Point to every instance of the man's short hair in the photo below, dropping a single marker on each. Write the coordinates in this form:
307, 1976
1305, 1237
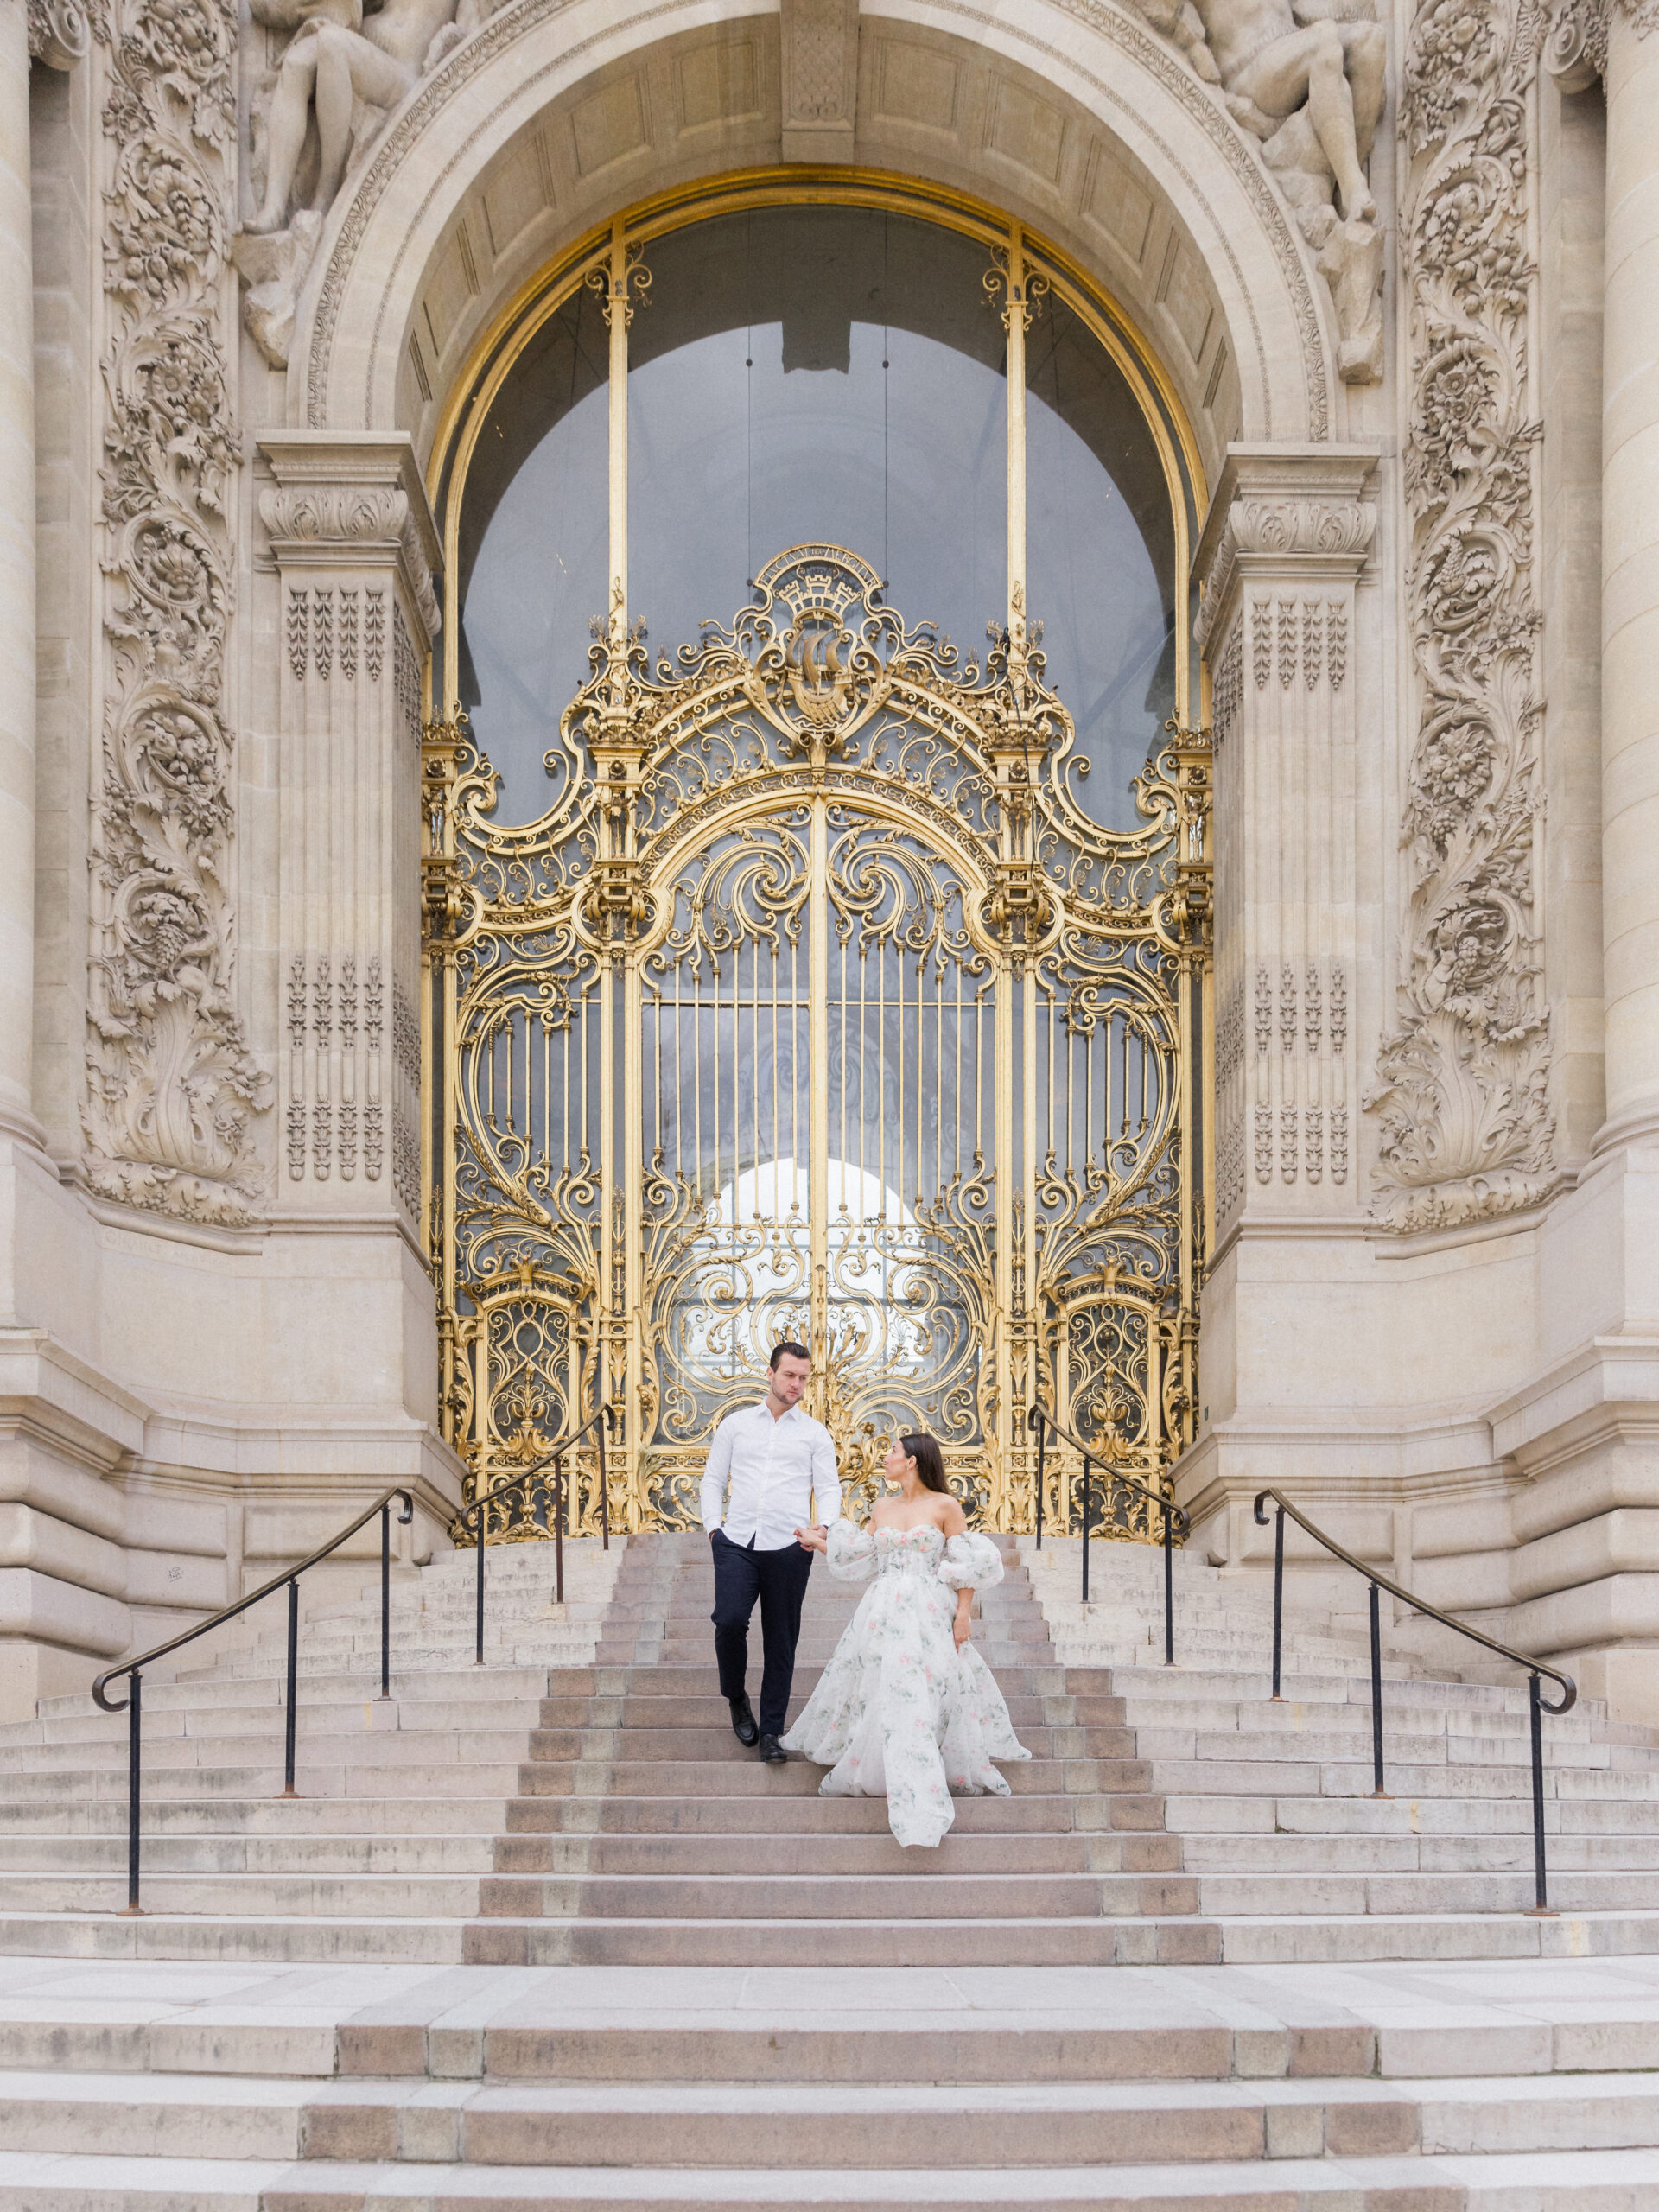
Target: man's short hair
787, 1351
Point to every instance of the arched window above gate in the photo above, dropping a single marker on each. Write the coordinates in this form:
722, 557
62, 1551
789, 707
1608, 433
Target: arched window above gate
831, 960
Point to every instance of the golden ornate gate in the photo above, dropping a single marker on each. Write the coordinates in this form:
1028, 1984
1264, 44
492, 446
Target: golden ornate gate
814, 1007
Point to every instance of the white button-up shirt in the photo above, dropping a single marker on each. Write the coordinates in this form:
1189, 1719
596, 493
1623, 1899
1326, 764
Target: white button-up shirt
776, 1470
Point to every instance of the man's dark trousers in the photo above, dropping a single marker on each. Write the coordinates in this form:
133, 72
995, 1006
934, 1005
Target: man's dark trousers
779, 1579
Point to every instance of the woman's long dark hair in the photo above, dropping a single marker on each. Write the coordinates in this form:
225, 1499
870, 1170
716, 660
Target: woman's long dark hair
930, 1460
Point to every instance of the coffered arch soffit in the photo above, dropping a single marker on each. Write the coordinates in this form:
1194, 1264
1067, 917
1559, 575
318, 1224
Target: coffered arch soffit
1067, 114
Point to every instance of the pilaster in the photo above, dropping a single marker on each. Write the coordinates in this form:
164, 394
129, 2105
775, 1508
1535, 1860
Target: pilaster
1287, 537
355, 549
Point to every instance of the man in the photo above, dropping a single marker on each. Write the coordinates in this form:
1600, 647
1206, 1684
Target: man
766, 1467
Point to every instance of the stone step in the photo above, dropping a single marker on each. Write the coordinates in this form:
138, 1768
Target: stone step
833, 2127
1254, 1941
1448, 1778
743, 1775
1457, 1854
754, 1895
174, 1854
1605, 2181
718, 1943
269, 1815
774, 1813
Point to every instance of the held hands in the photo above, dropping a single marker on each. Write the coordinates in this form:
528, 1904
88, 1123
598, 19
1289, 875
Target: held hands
815, 1539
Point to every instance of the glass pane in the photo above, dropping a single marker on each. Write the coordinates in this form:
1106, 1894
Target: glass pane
1101, 559
533, 550
813, 374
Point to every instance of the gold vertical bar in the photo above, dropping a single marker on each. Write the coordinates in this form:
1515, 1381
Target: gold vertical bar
617, 318
630, 1324
818, 1063
1016, 423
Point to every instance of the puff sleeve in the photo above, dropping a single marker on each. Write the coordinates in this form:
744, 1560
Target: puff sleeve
850, 1553
970, 1563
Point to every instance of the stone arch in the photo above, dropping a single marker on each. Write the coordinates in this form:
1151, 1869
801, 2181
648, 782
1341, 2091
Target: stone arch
1073, 117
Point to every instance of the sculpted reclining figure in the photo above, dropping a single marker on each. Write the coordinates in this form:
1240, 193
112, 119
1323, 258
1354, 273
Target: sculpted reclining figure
1308, 78
1275, 56
337, 58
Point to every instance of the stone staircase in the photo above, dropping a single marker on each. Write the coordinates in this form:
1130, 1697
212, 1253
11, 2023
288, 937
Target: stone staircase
542, 1932
1274, 1802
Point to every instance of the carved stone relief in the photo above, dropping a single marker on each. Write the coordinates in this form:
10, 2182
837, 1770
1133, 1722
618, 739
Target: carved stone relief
1462, 1097
1307, 77
819, 55
172, 1088
332, 78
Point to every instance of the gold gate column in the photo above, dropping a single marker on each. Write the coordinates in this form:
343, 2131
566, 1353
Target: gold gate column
618, 743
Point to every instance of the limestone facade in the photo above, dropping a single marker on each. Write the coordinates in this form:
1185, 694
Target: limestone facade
1430, 574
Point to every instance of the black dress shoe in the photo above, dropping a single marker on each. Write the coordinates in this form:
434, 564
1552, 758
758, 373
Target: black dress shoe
744, 1727
773, 1751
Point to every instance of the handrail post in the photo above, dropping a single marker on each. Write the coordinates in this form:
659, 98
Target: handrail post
1086, 1503
604, 1486
1278, 1596
477, 1546
135, 1731
1169, 1590
1376, 1696
558, 1529
292, 1715
1042, 1432
1540, 1910
385, 1599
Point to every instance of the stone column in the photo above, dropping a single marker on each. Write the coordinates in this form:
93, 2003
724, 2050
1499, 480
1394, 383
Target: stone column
1287, 537
16, 579
1630, 696
355, 549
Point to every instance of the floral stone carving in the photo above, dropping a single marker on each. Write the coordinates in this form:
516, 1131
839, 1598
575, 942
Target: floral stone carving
1307, 78
1461, 1099
172, 1088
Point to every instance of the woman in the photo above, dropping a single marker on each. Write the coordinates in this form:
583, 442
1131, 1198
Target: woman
906, 1708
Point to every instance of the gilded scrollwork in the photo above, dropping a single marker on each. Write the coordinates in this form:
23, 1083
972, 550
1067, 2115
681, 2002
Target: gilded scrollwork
1465, 1127
780, 891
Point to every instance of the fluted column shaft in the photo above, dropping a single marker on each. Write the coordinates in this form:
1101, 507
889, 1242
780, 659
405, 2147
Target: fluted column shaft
1630, 693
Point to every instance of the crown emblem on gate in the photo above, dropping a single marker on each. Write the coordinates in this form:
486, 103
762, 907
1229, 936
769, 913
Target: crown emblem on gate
817, 583
829, 596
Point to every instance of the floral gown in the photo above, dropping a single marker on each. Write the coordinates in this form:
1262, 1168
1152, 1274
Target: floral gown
899, 1711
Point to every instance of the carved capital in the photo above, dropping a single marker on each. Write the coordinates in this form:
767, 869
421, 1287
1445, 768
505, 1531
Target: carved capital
1288, 513
820, 79
351, 502
60, 33
1575, 42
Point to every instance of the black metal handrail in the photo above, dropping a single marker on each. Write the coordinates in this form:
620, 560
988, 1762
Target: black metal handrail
474, 1513
133, 1703
1537, 1703
1043, 1421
